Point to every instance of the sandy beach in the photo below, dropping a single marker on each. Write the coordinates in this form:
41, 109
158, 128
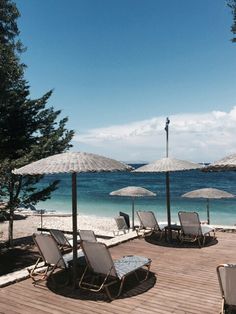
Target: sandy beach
100, 225
26, 227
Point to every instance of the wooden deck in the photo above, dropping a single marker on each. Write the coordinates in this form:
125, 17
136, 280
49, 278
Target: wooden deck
185, 281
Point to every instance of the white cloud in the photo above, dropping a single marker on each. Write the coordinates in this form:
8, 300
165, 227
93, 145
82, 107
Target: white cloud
197, 137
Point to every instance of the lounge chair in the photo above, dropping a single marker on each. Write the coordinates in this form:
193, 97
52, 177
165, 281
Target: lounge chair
102, 272
121, 225
148, 222
61, 239
50, 258
227, 280
87, 235
192, 230
126, 217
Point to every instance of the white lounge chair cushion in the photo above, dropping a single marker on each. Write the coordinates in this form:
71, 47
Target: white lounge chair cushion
162, 225
206, 229
130, 263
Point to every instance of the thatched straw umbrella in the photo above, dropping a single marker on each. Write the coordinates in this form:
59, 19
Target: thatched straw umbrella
208, 193
72, 162
167, 165
225, 164
133, 192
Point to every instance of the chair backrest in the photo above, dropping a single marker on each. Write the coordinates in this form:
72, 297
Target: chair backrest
98, 258
48, 249
121, 223
147, 220
126, 217
59, 237
87, 235
227, 280
190, 223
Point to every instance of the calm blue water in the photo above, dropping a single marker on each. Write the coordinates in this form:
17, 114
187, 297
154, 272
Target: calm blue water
93, 194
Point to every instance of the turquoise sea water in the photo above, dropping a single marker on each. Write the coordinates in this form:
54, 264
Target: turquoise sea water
93, 194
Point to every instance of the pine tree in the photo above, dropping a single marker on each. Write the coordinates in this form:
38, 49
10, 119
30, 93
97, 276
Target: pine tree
232, 5
29, 130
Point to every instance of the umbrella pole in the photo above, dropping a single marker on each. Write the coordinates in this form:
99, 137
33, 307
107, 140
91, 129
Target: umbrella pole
41, 219
133, 213
74, 224
208, 212
168, 183
168, 205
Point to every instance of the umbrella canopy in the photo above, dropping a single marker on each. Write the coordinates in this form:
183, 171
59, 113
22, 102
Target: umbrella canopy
208, 193
133, 192
167, 165
72, 162
224, 164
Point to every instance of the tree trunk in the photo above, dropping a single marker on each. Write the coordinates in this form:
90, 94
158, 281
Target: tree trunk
10, 228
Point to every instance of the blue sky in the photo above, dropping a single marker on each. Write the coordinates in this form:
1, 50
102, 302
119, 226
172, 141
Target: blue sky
120, 67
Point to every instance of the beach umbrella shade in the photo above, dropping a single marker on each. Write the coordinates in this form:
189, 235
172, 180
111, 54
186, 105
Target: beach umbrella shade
72, 162
168, 165
225, 164
133, 192
208, 193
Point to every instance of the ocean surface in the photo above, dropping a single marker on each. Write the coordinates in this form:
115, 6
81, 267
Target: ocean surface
93, 194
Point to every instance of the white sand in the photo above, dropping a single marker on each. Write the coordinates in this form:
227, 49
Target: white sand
26, 227
100, 225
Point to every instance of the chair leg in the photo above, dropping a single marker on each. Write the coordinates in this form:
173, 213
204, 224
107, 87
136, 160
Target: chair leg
39, 273
199, 242
140, 232
121, 286
32, 273
222, 307
204, 240
181, 238
63, 284
95, 287
147, 273
214, 234
122, 283
113, 297
123, 279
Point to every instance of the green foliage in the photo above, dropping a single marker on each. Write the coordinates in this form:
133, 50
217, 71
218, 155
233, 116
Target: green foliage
232, 5
3, 216
28, 129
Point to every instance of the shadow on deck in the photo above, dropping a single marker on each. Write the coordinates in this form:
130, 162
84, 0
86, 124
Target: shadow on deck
131, 288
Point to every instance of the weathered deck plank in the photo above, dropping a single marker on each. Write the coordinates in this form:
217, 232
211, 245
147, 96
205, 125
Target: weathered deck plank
186, 282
